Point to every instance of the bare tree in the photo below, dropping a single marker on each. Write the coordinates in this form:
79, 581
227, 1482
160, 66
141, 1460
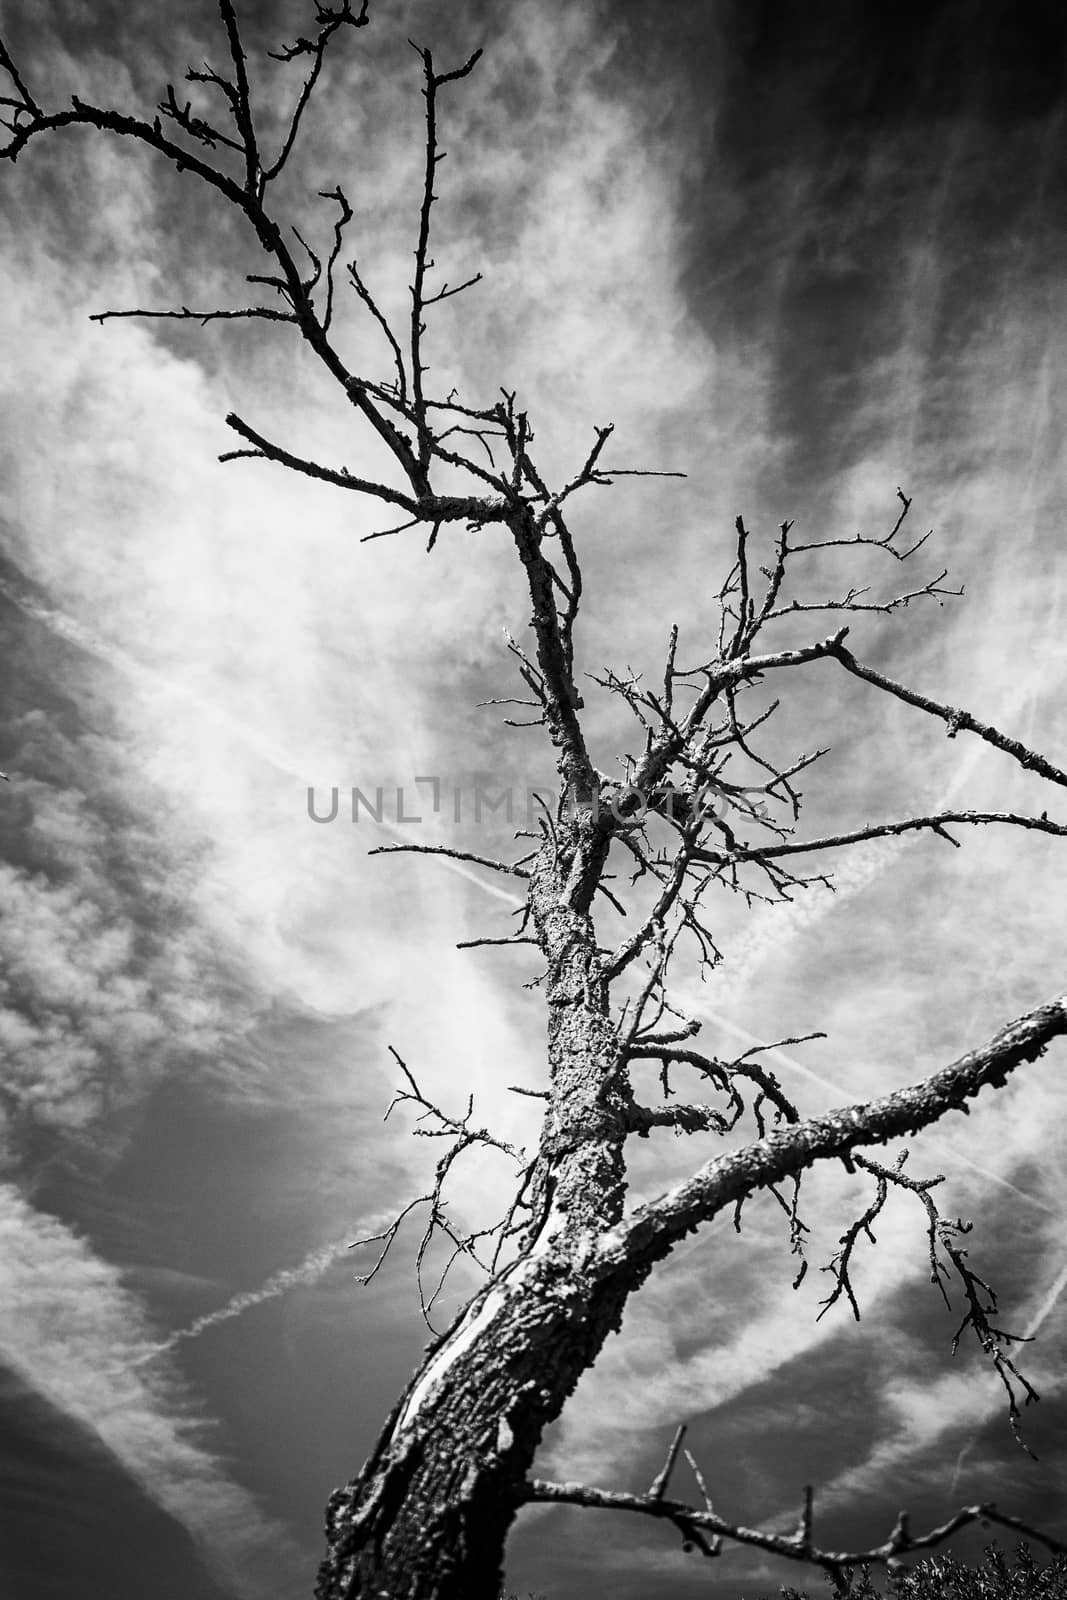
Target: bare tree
703, 803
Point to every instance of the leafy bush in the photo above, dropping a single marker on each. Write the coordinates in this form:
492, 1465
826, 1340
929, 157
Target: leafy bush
943, 1577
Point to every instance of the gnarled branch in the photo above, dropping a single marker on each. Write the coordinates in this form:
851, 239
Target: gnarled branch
633, 1246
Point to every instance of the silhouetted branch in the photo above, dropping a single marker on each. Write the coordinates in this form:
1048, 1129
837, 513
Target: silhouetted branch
433, 1123
184, 314
419, 302
724, 1073
239, 97
955, 719
197, 127
705, 1530
379, 316
941, 1235
332, 19
342, 478
882, 830
455, 855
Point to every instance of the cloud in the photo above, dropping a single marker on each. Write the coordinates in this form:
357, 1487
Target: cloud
103, 979
72, 1331
246, 646
928, 1413
258, 648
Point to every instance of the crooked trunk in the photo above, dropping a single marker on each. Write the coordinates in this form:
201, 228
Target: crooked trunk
428, 1516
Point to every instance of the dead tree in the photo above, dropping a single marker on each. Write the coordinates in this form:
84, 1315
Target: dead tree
700, 806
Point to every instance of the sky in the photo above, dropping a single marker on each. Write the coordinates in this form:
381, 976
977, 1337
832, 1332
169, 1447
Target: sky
804, 253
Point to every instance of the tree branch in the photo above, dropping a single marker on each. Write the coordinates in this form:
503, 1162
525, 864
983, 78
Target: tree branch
433, 1123
981, 1300
881, 830
723, 1073
342, 478
239, 97
651, 1232
429, 508
419, 302
332, 20
184, 314
954, 718
695, 1525
454, 855
682, 1118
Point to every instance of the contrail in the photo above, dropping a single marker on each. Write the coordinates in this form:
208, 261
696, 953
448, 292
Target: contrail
66, 627
856, 877
306, 1272
320, 1260
1048, 1304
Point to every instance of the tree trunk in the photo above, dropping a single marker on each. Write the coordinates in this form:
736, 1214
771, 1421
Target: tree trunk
428, 1516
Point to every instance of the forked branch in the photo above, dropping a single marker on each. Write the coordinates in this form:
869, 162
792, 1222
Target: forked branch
433, 1123
652, 1231
943, 1236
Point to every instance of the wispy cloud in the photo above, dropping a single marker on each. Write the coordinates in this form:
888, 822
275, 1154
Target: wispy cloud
798, 354
100, 985
71, 1330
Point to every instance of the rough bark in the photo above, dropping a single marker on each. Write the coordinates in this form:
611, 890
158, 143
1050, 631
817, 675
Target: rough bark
428, 1516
